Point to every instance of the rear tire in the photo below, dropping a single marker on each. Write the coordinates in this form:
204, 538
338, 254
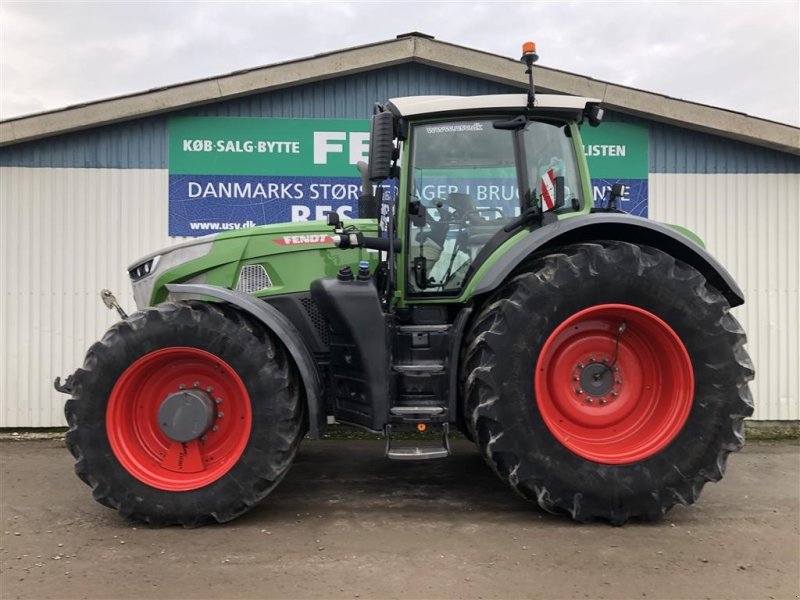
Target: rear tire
250, 393
668, 418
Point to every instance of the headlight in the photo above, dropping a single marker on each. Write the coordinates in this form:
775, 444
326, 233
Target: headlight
143, 269
145, 272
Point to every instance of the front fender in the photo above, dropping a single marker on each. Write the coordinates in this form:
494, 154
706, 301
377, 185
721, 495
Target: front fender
285, 331
611, 226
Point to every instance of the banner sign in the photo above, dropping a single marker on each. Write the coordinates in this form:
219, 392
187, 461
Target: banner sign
618, 153
231, 173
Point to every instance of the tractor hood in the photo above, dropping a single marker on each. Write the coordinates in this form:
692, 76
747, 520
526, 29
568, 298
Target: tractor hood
216, 259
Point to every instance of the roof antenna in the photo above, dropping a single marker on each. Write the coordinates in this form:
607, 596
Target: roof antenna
529, 57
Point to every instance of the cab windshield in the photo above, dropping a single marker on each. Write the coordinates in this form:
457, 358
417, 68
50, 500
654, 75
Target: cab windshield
464, 189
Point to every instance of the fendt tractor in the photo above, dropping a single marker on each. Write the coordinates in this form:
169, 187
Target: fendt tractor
588, 353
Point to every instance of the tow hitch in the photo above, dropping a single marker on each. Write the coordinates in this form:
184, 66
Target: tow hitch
111, 302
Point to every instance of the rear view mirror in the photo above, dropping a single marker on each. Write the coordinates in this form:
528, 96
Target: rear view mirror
381, 146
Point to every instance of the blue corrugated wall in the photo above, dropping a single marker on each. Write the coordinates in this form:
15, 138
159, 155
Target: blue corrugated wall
679, 150
142, 143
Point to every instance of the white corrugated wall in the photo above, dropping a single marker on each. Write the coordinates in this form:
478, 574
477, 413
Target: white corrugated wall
67, 233
64, 235
751, 224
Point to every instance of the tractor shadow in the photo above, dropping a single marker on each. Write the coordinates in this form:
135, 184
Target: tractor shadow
354, 477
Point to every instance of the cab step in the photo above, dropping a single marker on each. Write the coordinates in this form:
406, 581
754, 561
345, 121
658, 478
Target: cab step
427, 411
423, 328
418, 452
419, 368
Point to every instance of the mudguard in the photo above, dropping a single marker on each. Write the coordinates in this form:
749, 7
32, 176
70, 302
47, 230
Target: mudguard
286, 332
612, 226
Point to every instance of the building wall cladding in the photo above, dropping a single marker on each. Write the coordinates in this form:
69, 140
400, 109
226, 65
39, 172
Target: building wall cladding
76, 209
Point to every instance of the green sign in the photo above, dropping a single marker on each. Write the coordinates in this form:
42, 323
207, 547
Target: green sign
616, 150
285, 147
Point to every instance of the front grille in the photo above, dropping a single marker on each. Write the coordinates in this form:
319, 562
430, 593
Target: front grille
253, 278
319, 321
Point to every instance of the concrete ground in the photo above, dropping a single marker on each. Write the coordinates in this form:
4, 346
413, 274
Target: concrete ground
348, 523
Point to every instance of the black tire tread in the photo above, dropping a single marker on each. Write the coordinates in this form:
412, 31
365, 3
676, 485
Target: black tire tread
86, 440
482, 395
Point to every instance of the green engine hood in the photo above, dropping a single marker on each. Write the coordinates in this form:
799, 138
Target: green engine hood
292, 255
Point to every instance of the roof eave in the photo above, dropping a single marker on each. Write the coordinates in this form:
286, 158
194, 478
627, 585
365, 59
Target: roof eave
205, 91
410, 48
649, 105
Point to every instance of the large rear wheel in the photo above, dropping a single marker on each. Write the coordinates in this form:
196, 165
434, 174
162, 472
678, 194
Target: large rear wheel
607, 381
184, 413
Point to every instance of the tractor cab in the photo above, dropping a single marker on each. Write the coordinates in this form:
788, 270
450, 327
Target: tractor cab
471, 182
465, 175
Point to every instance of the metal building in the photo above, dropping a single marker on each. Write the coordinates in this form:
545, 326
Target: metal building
84, 191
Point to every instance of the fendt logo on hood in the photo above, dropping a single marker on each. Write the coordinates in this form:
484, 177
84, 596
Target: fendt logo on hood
297, 240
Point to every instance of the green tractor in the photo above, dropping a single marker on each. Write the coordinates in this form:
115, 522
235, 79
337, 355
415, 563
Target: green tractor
589, 354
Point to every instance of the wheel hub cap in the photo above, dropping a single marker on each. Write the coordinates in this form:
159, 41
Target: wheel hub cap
186, 415
596, 379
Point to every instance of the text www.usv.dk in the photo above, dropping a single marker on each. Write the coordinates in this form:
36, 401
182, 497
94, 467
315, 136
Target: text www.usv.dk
215, 226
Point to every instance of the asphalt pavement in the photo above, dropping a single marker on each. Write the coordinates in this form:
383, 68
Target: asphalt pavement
347, 523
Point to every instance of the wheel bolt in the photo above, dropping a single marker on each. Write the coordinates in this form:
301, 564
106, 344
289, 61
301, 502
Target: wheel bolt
619, 381
203, 438
591, 359
589, 399
602, 400
615, 394
209, 389
579, 391
220, 415
196, 384
215, 428
218, 401
182, 386
576, 379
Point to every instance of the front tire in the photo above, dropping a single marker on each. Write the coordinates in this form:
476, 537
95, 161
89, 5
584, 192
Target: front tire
607, 380
185, 413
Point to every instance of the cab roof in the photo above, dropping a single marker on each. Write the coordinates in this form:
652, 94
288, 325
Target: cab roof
411, 106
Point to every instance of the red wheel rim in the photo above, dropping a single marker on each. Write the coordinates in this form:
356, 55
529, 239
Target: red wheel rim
632, 407
137, 439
